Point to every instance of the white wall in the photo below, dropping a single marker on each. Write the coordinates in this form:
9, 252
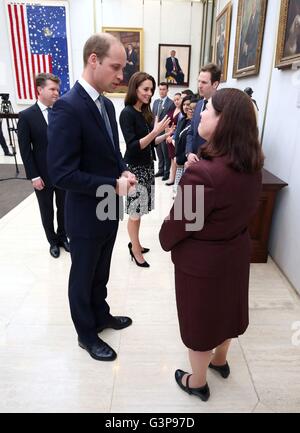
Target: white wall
279, 120
166, 23
170, 22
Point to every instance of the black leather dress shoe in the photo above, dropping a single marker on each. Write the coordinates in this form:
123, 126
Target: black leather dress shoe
224, 370
99, 350
202, 392
158, 174
116, 322
8, 154
165, 177
65, 245
54, 251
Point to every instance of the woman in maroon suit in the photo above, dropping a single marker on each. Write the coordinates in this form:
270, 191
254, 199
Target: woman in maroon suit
212, 262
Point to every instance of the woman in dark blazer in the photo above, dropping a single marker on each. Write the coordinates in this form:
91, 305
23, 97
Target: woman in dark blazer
211, 248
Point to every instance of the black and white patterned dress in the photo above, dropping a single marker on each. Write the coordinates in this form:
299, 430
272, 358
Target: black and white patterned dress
140, 161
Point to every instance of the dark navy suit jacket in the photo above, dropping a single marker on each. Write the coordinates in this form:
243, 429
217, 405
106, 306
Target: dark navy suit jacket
81, 157
32, 137
193, 139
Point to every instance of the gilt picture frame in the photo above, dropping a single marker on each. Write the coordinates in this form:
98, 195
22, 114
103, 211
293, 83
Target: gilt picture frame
249, 37
133, 41
288, 40
222, 40
174, 64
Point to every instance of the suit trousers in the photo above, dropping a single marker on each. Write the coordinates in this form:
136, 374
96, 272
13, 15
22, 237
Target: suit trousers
160, 156
167, 160
45, 200
89, 275
164, 162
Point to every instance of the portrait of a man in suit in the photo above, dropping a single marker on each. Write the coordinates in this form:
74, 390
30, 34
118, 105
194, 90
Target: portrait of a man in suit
131, 62
249, 37
220, 49
173, 68
174, 64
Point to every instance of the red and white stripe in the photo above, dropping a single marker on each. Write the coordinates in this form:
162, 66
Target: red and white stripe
26, 65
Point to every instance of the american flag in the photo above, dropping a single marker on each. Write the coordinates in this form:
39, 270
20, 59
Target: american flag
38, 34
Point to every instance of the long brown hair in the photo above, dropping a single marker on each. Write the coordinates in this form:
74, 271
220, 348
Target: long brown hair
131, 97
236, 134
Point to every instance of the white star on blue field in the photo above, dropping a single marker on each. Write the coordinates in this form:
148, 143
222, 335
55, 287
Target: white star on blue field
47, 35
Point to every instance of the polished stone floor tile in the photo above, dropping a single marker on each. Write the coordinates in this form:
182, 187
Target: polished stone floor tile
42, 369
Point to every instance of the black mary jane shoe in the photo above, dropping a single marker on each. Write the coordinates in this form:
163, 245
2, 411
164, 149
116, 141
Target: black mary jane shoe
143, 250
224, 370
202, 392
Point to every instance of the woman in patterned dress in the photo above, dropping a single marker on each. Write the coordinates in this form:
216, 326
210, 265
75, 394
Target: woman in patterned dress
140, 135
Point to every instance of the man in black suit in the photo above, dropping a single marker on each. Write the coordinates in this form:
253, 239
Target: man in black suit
33, 143
84, 158
161, 108
173, 68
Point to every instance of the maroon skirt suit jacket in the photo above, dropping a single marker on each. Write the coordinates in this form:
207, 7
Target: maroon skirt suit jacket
212, 264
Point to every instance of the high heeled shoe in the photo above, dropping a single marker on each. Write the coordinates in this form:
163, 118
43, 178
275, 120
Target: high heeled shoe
202, 392
143, 251
141, 265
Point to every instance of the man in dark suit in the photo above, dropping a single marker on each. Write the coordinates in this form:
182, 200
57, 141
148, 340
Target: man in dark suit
33, 143
84, 158
173, 68
208, 82
161, 108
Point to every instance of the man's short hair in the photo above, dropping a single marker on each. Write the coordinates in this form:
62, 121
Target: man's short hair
214, 70
163, 83
41, 79
99, 43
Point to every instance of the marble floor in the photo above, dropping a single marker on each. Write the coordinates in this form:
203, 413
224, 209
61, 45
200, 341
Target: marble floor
43, 370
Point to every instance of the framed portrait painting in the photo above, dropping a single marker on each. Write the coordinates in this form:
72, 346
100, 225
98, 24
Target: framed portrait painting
249, 37
223, 24
174, 64
132, 39
288, 41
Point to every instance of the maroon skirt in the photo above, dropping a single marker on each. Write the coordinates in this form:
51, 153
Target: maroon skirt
171, 150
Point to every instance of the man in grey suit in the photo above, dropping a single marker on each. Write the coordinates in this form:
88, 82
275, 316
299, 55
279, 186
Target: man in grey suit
161, 107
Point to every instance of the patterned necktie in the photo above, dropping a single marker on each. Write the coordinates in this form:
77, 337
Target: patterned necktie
104, 115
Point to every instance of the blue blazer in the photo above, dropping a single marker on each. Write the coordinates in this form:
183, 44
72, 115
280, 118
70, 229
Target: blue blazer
167, 106
193, 139
81, 157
